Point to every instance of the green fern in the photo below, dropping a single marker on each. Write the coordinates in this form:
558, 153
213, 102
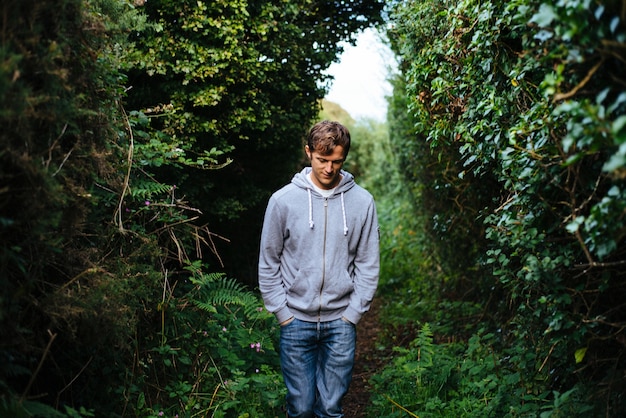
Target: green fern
424, 345
216, 290
147, 188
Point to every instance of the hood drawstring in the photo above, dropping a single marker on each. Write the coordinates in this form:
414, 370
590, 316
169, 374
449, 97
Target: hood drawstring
311, 224
343, 212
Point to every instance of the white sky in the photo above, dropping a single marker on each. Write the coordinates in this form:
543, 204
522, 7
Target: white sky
360, 84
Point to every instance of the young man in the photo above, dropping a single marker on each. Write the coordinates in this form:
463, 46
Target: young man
318, 272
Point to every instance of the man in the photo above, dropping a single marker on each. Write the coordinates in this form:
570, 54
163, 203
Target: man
318, 272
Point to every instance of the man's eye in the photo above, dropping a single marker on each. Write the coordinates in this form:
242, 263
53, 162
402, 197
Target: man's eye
323, 161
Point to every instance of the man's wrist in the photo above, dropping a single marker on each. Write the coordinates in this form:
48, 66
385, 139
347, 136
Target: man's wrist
287, 321
344, 319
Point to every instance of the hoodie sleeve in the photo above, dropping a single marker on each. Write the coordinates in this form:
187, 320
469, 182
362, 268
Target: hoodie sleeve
270, 280
367, 267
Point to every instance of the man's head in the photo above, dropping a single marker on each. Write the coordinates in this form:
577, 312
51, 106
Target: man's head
327, 147
324, 136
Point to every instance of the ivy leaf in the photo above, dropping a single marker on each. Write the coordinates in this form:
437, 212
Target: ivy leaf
617, 129
617, 160
573, 226
580, 354
545, 16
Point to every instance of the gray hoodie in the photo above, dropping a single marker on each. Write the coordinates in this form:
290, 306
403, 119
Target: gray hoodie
319, 257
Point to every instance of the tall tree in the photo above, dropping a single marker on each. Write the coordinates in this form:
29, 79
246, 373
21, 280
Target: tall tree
235, 84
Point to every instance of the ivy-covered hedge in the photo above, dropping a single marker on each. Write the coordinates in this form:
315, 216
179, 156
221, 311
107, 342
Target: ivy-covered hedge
517, 130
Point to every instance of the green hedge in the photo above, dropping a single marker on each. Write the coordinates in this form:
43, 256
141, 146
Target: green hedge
518, 114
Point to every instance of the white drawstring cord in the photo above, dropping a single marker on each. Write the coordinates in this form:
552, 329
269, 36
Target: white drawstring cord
343, 212
310, 210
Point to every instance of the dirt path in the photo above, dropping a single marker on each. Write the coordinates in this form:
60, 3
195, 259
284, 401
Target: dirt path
367, 362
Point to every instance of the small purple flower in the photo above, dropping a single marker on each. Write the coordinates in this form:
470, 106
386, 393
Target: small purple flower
256, 370
224, 329
147, 203
256, 346
205, 333
160, 413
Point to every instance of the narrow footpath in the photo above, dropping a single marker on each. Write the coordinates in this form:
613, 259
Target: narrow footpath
367, 362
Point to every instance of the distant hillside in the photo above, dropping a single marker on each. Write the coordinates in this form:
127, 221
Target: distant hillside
332, 111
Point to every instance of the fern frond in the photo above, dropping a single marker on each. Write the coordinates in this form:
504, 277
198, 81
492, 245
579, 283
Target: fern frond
146, 188
203, 279
206, 307
216, 290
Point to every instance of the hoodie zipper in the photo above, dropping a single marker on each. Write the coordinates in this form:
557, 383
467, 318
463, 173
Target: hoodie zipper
319, 313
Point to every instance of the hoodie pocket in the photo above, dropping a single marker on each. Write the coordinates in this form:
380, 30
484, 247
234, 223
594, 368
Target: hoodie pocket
338, 289
304, 293
302, 285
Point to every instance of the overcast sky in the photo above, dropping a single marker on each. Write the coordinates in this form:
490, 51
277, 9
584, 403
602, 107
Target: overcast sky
360, 84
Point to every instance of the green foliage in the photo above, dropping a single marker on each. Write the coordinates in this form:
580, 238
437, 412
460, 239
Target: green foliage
227, 292
234, 84
429, 379
332, 111
214, 355
511, 153
59, 94
26, 408
115, 115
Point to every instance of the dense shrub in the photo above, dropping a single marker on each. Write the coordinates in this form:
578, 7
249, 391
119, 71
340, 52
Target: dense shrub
518, 113
59, 116
210, 350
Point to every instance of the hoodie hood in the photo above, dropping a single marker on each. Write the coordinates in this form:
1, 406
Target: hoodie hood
303, 180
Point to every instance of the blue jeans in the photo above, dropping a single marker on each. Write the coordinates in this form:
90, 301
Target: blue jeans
317, 360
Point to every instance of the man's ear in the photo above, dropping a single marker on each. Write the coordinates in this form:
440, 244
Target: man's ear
308, 152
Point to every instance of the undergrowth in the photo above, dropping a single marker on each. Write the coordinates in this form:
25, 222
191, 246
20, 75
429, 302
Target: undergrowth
448, 357
214, 355
466, 379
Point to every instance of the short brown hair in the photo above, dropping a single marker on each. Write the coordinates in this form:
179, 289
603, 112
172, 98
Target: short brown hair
324, 136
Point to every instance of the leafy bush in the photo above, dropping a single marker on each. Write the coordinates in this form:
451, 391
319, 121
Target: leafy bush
59, 112
512, 157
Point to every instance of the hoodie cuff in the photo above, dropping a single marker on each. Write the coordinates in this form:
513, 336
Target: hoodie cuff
283, 314
352, 315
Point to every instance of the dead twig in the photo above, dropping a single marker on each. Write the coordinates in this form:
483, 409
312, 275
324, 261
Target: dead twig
563, 96
129, 159
41, 361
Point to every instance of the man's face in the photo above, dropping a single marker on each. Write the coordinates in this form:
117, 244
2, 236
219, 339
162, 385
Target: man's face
326, 168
